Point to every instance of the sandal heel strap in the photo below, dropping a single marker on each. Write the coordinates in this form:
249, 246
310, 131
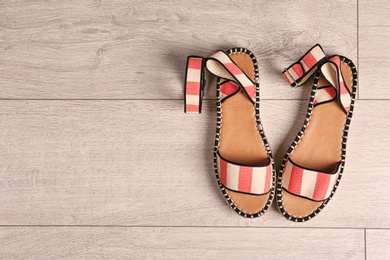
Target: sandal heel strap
332, 72
221, 65
298, 73
194, 85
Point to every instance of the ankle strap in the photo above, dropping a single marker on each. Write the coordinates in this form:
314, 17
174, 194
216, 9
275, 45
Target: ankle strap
300, 71
220, 65
194, 85
330, 69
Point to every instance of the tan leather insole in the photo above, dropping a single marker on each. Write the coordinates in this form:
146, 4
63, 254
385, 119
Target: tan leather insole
240, 141
320, 146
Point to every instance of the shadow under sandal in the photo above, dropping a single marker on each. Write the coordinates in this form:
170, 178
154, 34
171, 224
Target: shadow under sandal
242, 157
313, 166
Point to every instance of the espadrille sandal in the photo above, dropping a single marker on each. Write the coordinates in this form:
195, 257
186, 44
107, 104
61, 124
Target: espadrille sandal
243, 161
313, 166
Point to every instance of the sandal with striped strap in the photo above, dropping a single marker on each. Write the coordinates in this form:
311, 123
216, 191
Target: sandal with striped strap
243, 161
313, 166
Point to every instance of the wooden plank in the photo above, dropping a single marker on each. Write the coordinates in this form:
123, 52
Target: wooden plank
137, 50
179, 243
377, 243
374, 46
148, 163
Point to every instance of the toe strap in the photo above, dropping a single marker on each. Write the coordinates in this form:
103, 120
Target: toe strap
307, 183
247, 179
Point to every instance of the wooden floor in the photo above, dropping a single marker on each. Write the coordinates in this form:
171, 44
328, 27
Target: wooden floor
98, 160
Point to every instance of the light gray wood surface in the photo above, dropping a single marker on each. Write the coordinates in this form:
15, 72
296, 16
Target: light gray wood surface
98, 160
179, 243
374, 45
137, 49
378, 241
147, 163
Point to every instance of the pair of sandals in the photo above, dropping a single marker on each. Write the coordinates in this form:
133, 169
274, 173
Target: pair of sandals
313, 165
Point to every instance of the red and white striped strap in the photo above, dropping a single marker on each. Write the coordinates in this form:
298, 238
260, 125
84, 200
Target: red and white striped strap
331, 70
324, 95
308, 183
194, 85
228, 89
247, 179
300, 71
221, 65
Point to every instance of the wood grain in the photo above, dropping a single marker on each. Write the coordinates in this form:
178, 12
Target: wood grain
147, 163
102, 163
378, 241
179, 243
374, 45
137, 50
